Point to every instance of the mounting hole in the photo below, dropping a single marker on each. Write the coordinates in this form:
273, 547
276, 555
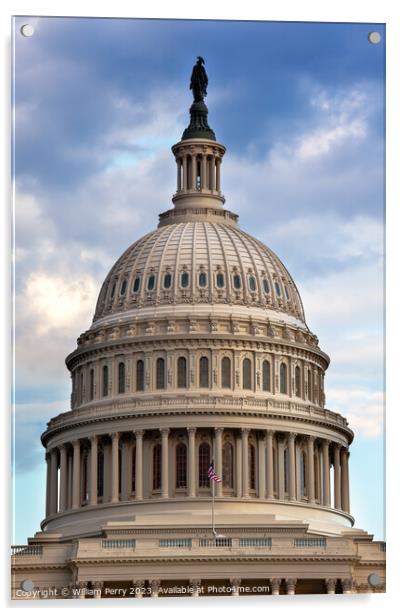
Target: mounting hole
27, 30
374, 579
374, 37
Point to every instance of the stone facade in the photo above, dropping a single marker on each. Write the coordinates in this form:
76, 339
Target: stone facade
198, 351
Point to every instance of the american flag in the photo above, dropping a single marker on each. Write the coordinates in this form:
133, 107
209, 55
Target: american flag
212, 475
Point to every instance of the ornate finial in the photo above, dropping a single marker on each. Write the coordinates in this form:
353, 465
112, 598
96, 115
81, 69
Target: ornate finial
198, 128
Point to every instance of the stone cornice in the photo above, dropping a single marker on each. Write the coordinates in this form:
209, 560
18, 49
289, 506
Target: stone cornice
75, 419
238, 558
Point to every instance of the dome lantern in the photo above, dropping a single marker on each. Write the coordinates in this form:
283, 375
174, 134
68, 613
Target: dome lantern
198, 157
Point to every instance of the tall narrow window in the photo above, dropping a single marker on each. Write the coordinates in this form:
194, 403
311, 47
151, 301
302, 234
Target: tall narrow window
81, 387
266, 376
181, 466
105, 381
184, 280
226, 372
252, 283
265, 285
220, 280
277, 289
136, 284
297, 382
113, 291
182, 372
202, 279
204, 460
167, 281
151, 282
123, 287
246, 373
283, 378
227, 465
84, 484
133, 467
91, 384
237, 281
140, 375
156, 467
204, 372
122, 377
160, 373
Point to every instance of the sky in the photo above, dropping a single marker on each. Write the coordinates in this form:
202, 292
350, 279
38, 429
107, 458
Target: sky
300, 109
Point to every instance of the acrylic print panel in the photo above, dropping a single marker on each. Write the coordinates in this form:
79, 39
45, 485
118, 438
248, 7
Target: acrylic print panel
191, 417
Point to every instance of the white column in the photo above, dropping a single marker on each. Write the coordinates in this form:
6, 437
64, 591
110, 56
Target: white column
261, 468
281, 468
326, 472
218, 174
76, 474
344, 480
337, 477
290, 586
238, 467
63, 479
245, 481
212, 173
53, 481
47, 484
204, 171
310, 470
93, 486
218, 459
193, 171
115, 467
138, 464
165, 462
178, 161
185, 185
191, 461
270, 464
292, 466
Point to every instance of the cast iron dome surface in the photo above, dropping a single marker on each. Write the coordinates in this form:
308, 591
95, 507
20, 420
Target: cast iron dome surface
251, 273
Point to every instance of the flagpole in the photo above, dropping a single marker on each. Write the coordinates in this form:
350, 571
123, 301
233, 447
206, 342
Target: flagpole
213, 506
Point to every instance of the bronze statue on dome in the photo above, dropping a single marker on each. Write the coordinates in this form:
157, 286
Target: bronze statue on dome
199, 80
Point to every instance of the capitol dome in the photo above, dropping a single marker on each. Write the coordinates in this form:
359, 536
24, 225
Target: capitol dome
201, 263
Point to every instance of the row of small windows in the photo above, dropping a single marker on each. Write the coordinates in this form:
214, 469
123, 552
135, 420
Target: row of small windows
204, 377
184, 282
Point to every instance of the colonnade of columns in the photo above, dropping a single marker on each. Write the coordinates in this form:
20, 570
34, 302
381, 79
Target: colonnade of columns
235, 586
199, 172
256, 463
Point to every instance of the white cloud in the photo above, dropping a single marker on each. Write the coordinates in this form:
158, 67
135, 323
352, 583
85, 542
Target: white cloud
363, 408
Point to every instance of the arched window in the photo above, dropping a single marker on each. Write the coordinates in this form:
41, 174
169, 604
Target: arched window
105, 381
266, 376
91, 384
167, 281
297, 382
265, 285
227, 465
251, 466
151, 282
202, 279
156, 467
122, 377
204, 372
100, 471
140, 375
303, 474
226, 372
252, 284
136, 284
113, 291
237, 281
277, 289
123, 287
220, 280
283, 378
184, 280
204, 460
181, 466
287, 293
182, 372
246, 373
309, 385
160, 373
133, 467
